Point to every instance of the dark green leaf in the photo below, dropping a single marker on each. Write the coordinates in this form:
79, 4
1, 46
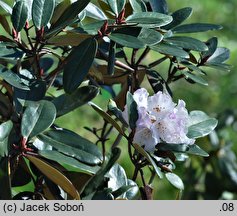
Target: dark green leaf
195, 78
169, 49
200, 124
111, 60
10, 53
112, 107
70, 39
5, 24
132, 110
127, 40
107, 117
59, 9
94, 12
197, 116
116, 5
73, 145
196, 27
70, 14
19, 15
98, 178
202, 129
21, 175
55, 176
37, 117
149, 158
104, 194
68, 162
12, 78
173, 147
5, 182
36, 93
42, 11
175, 180
159, 6
150, 36
179, 16
219, 66
122, 190
82, 15
181, 157
157, 82
192, 67
46, 63
6, 106
149, 19
220, 55
29, 3
5, 130
132, 192
196, 150
187, 43
138, 5
212, 45
79, 179
118, 178
66, 103
91, 28
182, 148
6, 7
133, 31
78, 64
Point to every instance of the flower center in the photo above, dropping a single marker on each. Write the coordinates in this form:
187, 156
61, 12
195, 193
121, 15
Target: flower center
157, 109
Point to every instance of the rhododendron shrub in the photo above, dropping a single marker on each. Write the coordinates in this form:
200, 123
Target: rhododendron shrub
59, 55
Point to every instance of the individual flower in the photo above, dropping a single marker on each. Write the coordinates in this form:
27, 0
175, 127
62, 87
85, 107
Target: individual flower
160, 120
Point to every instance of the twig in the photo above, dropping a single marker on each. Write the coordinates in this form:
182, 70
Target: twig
135, 173
126, 60
133, 57
153, 174
117, 140
143, 55
157, 62
28, 38
142, 176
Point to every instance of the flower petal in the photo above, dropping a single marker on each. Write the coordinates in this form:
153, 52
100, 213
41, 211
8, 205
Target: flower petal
141, 96
144, 138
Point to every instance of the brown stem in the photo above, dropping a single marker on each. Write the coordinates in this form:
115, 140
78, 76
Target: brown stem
126, 60
153, 174
143, 55
28, 38
103, 139
135, 173
157, 62
117, 140
146, 192
20, 46
133, 57
38, 69
142, 176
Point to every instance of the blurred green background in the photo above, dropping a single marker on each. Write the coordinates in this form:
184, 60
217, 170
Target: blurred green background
214, 99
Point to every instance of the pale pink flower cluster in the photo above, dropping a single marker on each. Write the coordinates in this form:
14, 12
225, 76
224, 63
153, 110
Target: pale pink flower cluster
160, 120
